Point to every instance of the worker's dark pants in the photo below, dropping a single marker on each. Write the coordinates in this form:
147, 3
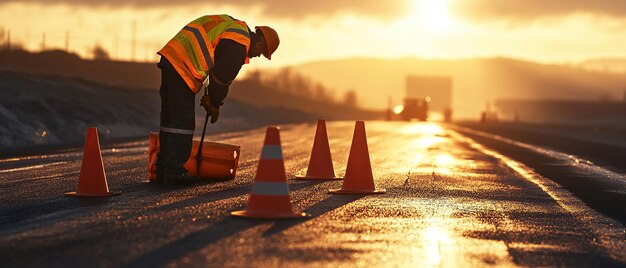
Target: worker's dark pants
177, 121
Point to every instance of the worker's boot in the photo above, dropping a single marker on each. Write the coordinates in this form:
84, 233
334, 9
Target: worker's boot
177, 150
160, 173
160, 167
179, 176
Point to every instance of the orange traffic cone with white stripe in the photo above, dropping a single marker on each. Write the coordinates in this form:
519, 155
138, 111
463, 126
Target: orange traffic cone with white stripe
270, 193
321, 162
92, 180
358, 178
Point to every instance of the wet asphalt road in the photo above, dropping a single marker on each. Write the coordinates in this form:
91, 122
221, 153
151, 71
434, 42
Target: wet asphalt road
449, 202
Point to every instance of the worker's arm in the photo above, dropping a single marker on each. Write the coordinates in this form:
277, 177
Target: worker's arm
229, 57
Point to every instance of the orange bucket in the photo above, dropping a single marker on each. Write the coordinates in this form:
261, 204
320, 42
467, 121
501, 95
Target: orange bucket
219, 161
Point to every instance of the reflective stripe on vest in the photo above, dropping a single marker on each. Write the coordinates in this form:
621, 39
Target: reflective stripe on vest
191, 51
203, 46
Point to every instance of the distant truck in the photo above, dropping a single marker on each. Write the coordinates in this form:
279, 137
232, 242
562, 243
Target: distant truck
424, 94
415, 108
437, 88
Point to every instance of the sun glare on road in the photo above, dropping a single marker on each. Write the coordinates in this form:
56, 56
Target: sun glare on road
425, 141
445, 163
444, 160
422, 129
434, 237
427, 134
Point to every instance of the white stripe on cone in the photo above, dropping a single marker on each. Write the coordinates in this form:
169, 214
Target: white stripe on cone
270, 188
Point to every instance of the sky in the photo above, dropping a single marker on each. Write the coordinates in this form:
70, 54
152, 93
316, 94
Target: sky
547, 31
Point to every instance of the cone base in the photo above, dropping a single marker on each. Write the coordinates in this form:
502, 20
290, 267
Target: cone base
311, 178
268, 216
75, 194
354, 191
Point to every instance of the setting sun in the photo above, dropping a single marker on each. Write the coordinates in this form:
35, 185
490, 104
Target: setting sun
435, 15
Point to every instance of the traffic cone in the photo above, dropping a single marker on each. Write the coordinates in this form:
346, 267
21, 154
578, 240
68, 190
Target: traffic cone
321, 163
92, 181
358, 178
270, 193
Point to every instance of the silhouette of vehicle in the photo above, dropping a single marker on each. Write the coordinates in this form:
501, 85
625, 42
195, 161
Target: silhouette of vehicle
415, 108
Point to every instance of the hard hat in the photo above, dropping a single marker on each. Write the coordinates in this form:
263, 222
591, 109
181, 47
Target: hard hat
271, 40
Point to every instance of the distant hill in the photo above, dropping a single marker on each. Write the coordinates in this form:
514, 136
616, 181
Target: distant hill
50, 97
616, 65
475, 81
40, 109
252, 89
132, 75
147, 76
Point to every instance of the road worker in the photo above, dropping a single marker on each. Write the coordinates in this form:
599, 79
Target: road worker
206, 54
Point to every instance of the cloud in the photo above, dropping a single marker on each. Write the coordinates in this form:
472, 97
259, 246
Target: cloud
387, 9
523, 10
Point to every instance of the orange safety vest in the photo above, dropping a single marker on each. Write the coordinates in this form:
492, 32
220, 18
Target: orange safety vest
191, 50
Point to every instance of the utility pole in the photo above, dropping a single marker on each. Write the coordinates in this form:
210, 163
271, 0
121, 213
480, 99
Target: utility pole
43, 41
389, 108
133, 40
67, 41
116, 46
27, 35
9, 40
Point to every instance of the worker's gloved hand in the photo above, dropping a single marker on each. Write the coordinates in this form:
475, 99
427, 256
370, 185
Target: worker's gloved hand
214, 112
